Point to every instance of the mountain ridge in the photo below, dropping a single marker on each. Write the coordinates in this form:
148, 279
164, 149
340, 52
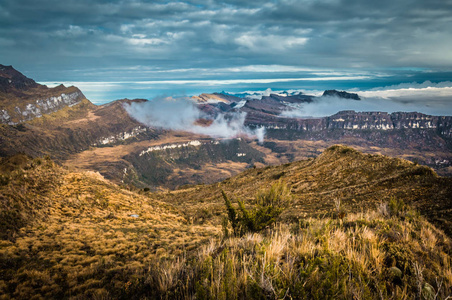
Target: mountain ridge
134, 212
22, 99
106, 138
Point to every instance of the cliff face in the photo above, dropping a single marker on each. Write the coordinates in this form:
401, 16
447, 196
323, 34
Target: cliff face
268, 111
22, 99
351, 120
36, 108
366, 120
73, 129
193, 160
385, 121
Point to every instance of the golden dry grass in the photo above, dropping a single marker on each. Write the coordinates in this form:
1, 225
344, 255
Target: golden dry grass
86, 234
353, 258
78, 237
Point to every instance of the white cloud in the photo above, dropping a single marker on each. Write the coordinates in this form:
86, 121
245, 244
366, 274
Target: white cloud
182, 114
410, 92
269, 69
139, 40
215, 82
415, 85
429, 98
257, 42
73, 31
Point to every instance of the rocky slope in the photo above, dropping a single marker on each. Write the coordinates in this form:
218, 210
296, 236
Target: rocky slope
22, 99
341, 94
72, 130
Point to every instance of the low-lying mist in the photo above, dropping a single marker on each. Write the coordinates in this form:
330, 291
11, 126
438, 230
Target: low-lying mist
427, 97
183, 114
327, 106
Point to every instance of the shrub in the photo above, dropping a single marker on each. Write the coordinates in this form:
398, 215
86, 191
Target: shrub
396, 206
269, 206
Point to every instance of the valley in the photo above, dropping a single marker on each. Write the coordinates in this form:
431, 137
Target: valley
225, 150
108, 139
96, 203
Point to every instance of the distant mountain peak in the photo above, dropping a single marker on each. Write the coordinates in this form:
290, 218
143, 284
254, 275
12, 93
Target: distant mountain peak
10, 79
341, 94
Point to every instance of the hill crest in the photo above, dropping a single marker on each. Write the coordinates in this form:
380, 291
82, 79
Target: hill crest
22, 99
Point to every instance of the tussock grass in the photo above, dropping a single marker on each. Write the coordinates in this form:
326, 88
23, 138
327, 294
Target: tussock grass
354, 258
78, 236
363, 256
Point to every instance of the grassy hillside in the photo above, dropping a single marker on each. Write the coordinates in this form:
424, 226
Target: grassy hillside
357, 227
67, 233
340, 174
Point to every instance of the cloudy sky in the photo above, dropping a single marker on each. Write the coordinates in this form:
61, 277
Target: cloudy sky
137, 48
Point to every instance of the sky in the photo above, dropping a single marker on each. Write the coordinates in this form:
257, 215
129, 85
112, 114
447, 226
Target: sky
147, 49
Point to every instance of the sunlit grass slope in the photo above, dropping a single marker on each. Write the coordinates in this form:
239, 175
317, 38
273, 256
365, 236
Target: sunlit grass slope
76, 234
356, 227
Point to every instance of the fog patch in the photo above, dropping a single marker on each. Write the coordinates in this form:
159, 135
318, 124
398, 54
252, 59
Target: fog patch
165, 113
240, 104
257, 95
327, 106
182, 114
415, 85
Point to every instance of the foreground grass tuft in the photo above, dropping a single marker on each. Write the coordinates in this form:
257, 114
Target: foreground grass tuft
367, 256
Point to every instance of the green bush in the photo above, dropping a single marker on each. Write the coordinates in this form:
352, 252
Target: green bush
396, 207
269, 205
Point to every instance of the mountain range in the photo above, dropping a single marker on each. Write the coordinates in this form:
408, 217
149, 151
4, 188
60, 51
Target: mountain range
62, 123
96, 203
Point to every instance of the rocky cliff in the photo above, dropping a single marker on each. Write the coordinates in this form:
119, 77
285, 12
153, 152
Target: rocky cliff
22, 99
351, 120
341, 94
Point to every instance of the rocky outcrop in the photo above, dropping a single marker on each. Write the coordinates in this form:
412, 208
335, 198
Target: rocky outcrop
414, 120
445, 126
39, 107
11, 79
22, 99
363, 120
122, 136
286, 99
341, 94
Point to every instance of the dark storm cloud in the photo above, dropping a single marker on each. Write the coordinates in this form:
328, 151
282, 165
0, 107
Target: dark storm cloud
81, 39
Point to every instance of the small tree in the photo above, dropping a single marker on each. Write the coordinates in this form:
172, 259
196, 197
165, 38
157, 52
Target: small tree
270, 204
